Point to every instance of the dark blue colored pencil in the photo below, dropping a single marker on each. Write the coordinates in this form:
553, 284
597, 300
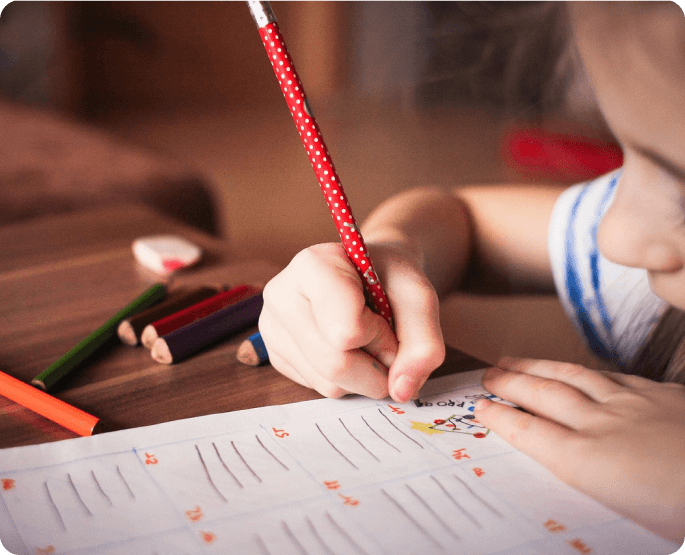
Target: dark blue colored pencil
190, 339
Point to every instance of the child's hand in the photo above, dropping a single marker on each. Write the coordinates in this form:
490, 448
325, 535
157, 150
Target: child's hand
320, 333
615, 437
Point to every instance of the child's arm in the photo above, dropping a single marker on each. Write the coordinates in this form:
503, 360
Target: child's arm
618, 438
318, 329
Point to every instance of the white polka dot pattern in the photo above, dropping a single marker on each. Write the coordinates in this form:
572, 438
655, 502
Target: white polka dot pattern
323, 167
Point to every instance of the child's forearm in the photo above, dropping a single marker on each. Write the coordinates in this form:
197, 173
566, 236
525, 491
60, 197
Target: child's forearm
500, 231
431, 226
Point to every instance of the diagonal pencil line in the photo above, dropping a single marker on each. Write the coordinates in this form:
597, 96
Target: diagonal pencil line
357, 440
262, 546
411, 519
318, 537
245, 462
209, 477
54, 506
292, 538
97, 483
226, 466
483, 501
78, 495
433, 513
130, 491
334, 447
400, 431
456, 503
379, 435
270, 453
344, 534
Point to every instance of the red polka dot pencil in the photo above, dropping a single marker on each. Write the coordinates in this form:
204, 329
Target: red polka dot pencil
320, 158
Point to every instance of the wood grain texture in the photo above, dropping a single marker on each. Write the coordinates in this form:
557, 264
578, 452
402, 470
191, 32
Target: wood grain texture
61, 277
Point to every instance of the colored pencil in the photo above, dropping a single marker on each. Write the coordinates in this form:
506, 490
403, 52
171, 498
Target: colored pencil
188, 340
78, 354
199, 310
320, 158
129, 330
252, 351
48, 406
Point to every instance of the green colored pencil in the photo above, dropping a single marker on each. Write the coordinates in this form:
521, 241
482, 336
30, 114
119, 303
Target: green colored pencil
68, 362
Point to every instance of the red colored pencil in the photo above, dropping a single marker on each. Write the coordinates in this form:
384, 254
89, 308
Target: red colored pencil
199, 310
320, 158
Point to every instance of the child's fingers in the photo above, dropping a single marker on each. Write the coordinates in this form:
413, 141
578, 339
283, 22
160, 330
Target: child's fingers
549, 443
324, 367
550, 398
594, 384
421, 345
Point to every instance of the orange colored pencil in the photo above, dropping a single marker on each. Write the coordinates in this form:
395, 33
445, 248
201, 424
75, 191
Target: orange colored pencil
48, 406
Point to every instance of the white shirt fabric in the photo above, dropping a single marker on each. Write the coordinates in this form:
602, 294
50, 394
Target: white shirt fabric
611, 306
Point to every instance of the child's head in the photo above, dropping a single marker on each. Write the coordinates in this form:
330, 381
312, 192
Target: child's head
634, 53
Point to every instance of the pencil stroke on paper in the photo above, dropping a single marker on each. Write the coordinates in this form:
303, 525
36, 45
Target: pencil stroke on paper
433, 513
379, 435
317, 536
279, 461
99, 488
235, 448
125, 482
209, 476
221, 460
292, 538
400, 431
335, 448
411, 519
456, 503
478, 497
54, 507
355, 438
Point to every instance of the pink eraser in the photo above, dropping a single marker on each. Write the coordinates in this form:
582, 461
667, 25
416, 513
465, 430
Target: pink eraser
164, 254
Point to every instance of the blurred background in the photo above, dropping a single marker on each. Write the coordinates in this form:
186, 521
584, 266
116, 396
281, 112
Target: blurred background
174, 104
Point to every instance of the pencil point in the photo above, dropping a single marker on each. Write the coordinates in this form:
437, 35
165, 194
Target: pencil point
149, 336
127, 334
39, 384
247, 354
160, 351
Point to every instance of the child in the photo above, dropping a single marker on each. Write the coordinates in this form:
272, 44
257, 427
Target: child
615, 250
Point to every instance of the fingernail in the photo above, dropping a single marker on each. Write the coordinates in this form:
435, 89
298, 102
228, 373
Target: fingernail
482, 404
405, 387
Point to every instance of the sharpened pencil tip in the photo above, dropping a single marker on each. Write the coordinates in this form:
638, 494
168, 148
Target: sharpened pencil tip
39, 384
247, 354
160, 351
148, 336
127, 334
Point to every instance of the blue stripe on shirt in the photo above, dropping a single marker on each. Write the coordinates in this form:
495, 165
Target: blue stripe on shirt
594, 265
575, 287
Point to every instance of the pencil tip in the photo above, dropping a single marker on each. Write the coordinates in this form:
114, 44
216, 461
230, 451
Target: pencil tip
39, 384
247, 354
148, 336
160, 351
127, 334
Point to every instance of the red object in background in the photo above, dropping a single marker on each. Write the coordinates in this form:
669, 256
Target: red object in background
544, 154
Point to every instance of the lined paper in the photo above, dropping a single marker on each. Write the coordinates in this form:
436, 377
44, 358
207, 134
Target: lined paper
351, 476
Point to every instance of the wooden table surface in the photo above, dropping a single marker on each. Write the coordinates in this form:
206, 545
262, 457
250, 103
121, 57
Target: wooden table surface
61, 277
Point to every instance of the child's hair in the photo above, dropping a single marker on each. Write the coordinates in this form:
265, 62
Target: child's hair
662, 357
514, 56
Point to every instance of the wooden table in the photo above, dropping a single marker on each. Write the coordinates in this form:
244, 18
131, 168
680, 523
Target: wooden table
61, 277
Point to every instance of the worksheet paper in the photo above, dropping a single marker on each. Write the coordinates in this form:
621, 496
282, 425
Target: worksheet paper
351, 477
